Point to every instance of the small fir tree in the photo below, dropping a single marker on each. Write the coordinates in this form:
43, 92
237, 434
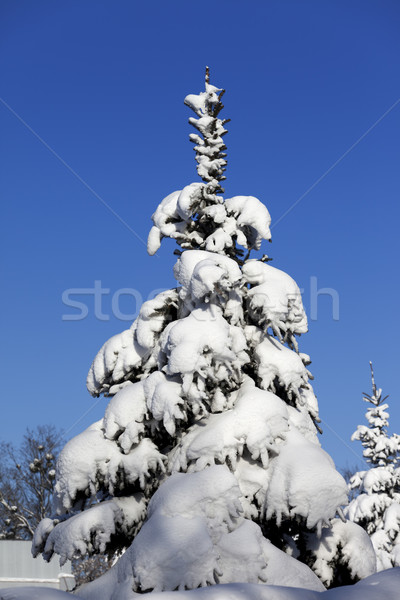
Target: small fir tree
207, 464
377, 505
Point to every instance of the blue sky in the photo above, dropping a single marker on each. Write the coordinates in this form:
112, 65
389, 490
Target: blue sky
102, 84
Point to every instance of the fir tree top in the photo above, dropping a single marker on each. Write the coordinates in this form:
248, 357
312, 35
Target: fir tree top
379, 448
209, 145
197, 217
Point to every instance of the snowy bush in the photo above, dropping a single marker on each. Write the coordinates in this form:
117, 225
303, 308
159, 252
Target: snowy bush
207, 465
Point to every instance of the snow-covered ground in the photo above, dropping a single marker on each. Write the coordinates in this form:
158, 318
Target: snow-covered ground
385, 585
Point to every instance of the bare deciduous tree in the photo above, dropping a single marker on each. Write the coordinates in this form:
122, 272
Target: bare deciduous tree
27, 474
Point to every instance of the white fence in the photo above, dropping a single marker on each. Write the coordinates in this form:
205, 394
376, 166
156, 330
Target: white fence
18, 568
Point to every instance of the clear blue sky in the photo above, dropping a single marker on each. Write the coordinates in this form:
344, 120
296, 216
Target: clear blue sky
102, 83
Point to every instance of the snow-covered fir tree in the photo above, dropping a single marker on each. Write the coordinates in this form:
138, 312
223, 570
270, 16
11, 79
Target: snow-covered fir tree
377, 505
207, 465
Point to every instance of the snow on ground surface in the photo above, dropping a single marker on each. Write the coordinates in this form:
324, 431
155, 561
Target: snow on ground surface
384, 585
